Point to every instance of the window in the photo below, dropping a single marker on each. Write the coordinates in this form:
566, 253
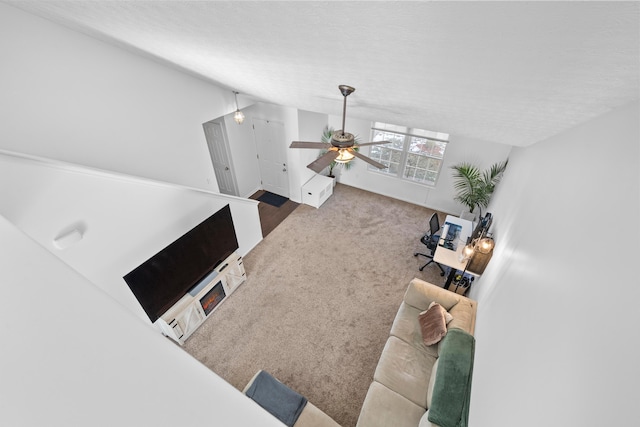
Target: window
413, 154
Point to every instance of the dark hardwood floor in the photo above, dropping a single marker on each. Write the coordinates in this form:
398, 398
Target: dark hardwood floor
271, 216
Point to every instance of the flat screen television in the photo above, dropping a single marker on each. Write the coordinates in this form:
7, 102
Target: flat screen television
163, 279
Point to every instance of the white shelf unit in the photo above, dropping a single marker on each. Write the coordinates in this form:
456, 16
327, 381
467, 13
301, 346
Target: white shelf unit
181, 320
317, 190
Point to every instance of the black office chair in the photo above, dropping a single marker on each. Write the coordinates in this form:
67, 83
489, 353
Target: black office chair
430, 240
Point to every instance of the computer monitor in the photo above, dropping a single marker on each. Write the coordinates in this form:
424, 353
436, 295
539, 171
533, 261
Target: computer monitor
483, 226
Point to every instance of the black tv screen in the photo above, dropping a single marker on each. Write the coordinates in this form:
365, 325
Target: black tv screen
163, 279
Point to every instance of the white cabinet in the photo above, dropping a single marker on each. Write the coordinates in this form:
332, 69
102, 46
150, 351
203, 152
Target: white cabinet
181, 320
317, 190
187, 321
235, 275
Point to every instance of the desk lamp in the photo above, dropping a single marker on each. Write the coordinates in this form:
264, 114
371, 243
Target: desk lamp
485, 245
467, 251
482, 250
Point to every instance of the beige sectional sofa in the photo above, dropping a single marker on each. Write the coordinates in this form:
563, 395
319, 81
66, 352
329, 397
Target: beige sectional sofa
401, 391
404, 380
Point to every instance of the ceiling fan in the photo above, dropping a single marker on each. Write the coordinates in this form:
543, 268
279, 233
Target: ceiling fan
342, 146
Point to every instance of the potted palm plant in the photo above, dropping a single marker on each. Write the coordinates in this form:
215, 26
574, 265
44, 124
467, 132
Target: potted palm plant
475, 187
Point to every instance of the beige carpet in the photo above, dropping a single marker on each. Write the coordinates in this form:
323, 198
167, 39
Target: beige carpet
321, 293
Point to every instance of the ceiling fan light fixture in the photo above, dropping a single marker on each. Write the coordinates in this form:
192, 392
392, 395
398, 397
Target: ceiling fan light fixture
342, 147
239, 115
344, 156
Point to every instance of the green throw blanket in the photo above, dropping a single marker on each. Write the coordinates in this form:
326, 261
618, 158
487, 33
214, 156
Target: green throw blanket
452, 388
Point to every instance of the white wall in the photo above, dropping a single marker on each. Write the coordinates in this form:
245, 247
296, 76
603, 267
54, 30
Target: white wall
125, 220
310, 127
299, 125
244, 146
69, 97
481, 153
557, 306
73, 357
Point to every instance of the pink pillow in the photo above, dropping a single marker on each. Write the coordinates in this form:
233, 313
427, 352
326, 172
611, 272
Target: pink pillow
433, 324
447, 316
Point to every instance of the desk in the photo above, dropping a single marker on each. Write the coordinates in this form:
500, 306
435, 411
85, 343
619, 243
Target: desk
448, 257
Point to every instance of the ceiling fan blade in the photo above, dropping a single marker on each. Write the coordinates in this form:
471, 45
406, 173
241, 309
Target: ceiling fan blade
305, 144
323, 161
367, 159
373, 143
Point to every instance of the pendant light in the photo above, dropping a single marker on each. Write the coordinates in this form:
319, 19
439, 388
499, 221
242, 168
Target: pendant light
238, 116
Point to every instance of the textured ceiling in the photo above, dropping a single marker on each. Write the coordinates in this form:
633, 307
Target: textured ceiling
509, 72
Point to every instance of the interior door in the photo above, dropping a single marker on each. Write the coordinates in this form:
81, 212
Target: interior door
272, 157
219, 151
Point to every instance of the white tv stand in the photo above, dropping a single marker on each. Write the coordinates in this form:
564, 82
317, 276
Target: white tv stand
181, 320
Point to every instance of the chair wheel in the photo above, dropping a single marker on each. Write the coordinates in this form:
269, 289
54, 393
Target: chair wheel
421, 268
416, 254
442, 274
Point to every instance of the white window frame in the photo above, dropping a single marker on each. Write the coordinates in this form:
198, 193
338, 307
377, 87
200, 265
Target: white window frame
408, 134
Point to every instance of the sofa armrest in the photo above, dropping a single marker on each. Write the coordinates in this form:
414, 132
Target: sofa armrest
464, 315
420, 294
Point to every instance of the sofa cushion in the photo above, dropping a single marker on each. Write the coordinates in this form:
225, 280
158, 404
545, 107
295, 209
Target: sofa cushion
386, 408
407, 328
405, 369
433, 324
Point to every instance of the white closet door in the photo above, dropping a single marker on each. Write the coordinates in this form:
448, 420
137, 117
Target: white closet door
219, 150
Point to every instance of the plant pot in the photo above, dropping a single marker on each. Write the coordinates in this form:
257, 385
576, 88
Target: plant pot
465, 214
